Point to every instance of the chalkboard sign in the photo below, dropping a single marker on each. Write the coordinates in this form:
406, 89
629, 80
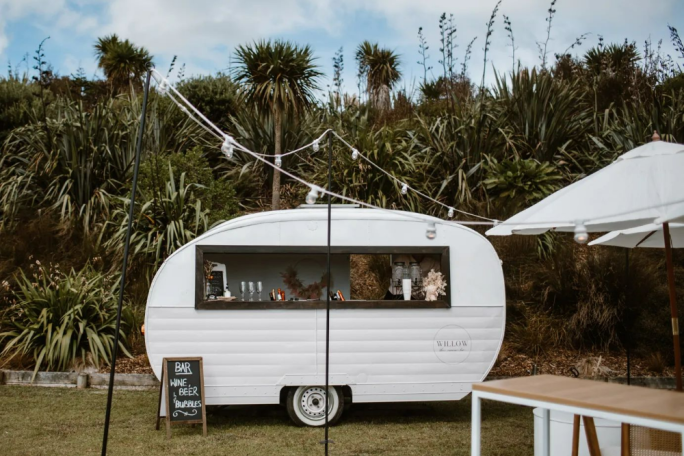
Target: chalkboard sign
183, 385
216, 283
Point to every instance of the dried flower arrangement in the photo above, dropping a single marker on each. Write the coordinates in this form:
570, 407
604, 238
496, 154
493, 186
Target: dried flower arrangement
208, 267
297, 288
434, 285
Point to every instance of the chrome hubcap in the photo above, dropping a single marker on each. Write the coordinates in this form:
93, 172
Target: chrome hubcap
312, 403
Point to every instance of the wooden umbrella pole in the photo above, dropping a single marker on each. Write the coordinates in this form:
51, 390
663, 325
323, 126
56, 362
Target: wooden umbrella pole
673, 306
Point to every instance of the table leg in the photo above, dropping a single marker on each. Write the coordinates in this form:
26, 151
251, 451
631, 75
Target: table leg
575, 435
475, 425
546, 432
592, 438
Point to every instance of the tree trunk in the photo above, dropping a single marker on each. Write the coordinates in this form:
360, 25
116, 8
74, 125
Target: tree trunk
278, 123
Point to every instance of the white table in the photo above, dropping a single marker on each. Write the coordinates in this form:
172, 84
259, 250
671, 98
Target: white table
634, 405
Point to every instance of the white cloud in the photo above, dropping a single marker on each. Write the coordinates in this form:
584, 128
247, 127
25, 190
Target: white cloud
197, 29
55, 15
203, 33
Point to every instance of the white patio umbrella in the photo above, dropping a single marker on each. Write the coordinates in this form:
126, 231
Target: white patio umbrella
643, 236
641, 186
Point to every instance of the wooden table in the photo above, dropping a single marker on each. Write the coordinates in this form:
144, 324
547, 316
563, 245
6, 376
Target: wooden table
635, 405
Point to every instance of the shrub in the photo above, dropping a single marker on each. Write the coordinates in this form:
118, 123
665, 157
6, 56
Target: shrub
60, 318
517, 184
162, 224
216, 195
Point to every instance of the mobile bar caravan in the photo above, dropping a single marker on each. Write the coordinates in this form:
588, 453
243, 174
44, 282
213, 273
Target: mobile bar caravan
260, 349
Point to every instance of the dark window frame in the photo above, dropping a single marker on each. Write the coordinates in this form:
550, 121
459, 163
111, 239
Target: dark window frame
203, 304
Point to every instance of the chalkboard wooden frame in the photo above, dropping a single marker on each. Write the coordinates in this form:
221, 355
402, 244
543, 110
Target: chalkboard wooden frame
164, 378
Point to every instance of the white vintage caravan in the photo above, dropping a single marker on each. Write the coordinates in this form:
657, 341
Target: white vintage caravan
270, 352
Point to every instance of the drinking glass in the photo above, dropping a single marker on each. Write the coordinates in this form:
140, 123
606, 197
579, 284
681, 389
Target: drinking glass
251, 291
260, 288
243, 285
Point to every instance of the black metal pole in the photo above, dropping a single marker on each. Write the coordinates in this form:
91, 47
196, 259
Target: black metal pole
327, 300
628, 316
138, 146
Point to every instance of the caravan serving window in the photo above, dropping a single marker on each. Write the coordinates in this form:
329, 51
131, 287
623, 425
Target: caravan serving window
362, 277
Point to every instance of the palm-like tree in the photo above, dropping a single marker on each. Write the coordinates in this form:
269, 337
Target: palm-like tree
279, 78
122, 62
381, 68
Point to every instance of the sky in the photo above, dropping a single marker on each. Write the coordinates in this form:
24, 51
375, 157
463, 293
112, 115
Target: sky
203, 33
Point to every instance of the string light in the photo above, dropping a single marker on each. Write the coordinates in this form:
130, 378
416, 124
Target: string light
227, 146
451, 212
316, 146
219, 134
431, 231
581, 235
163, 88
205, 123
312, 196
404, 189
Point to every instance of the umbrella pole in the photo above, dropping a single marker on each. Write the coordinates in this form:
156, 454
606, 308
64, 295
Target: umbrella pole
673, 306
627, 317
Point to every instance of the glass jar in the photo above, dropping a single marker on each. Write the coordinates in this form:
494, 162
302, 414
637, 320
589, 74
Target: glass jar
398, 273
416, 274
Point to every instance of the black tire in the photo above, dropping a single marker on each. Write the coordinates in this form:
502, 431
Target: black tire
309, 415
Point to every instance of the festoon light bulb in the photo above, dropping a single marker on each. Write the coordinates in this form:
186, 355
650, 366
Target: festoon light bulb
312, 196
316, 146
431, 231
581, 235
227, 147
355, 154
404, 189
451, 212
278, 161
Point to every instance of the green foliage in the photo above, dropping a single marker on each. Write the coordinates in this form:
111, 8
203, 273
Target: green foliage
277, 75
380, 67
215, 96
162, 223
60, 318
518, 184
85, 157
18, 99
122, 62
216, 195
542, 115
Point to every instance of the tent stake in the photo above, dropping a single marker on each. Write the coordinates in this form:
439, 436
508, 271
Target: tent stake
673, 306
138, 146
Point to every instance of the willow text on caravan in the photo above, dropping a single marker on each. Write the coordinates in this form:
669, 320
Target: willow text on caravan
452, 345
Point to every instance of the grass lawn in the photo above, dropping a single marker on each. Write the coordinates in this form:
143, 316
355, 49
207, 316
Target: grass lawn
61, 421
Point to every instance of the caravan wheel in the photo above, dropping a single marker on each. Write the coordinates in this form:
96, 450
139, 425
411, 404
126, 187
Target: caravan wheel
306, 405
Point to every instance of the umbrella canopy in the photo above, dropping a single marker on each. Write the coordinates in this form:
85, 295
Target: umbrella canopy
643, 236
642, 185
676, 215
